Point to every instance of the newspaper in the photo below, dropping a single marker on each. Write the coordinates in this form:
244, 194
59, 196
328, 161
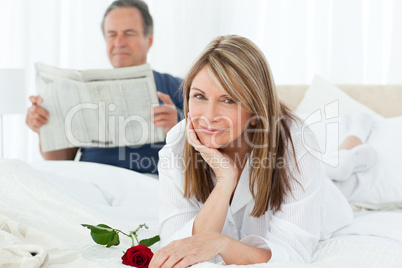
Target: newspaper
97, 108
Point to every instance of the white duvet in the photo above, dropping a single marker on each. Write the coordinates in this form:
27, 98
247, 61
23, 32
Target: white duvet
41, 210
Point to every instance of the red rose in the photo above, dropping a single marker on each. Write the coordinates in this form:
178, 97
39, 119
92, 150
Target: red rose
138, 256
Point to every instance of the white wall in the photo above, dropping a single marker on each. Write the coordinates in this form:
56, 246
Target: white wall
346, 41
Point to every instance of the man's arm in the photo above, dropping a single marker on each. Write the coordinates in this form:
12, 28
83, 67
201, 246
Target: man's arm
35, 119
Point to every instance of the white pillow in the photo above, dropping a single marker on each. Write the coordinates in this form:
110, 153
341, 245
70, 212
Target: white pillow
324, 107
328, 132
330, 100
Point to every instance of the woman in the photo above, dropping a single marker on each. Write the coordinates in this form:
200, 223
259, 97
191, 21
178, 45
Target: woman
356, 158
235, 178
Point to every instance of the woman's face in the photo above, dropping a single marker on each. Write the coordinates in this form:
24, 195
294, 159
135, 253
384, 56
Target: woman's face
217, 119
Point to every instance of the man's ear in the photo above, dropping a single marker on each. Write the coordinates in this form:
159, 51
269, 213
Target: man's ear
150, 40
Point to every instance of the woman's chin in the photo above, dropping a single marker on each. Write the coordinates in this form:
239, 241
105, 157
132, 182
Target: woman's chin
213, 144
210, 144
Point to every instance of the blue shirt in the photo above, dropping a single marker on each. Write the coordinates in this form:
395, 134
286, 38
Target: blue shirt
141, 158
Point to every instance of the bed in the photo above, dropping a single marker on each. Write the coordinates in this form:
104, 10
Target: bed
44, 203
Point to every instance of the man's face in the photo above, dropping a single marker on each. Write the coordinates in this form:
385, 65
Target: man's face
124, 34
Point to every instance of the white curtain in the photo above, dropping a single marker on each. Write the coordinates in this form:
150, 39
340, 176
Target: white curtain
345, 41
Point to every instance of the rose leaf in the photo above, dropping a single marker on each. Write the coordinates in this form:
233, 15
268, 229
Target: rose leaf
103, 234
150, 241
114, 242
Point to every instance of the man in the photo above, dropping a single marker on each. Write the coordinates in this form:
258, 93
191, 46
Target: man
128, 30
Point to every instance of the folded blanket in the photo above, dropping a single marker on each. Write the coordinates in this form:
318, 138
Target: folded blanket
39, 218
24, 255
23, 246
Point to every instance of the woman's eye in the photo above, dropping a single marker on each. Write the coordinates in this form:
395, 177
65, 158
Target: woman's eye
229, 101
199, 96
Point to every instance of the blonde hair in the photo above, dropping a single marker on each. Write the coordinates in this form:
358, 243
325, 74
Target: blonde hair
241, 69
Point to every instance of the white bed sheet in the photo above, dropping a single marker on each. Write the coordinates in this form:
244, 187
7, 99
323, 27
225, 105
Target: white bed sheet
34, 212
126, 196
380, 227
54, 198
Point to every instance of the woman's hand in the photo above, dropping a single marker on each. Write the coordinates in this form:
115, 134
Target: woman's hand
189, 251
206, 246
224, 168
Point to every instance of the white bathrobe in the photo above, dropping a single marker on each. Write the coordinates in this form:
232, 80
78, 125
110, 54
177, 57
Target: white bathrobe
314, 210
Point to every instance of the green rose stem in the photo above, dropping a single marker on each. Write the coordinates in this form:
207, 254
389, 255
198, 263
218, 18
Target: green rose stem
129, 235
133, 233
106, 235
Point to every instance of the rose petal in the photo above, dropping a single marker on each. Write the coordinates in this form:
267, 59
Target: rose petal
138, 256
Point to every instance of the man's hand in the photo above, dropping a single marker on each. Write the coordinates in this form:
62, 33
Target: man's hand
36, 115
166, 115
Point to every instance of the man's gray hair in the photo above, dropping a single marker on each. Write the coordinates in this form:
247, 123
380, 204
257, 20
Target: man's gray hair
147, 20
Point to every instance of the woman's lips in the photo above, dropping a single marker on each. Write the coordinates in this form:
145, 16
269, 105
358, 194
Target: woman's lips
211, 131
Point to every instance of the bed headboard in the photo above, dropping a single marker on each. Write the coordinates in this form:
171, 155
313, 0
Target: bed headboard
385, 100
